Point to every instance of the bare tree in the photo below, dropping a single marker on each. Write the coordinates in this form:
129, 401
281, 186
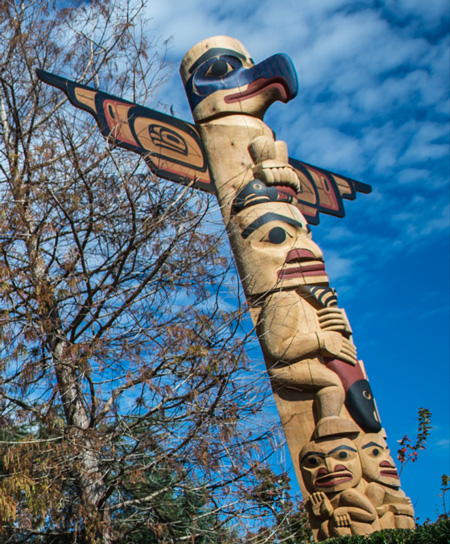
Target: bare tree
123, 411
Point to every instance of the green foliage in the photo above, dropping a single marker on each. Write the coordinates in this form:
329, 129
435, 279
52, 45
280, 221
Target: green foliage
445, 487
409, 451
291, 524
429, 533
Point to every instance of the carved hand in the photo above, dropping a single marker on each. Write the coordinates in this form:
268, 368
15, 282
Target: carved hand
333, 344
334, 319
320, 504
342, 519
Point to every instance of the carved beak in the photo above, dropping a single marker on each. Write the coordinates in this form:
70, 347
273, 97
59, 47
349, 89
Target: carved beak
277, 73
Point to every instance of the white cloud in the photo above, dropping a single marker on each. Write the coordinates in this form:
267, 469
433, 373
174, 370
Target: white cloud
412, 175
338, 267
424, 146
431, 13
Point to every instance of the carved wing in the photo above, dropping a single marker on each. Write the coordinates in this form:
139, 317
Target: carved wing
171, 147
323, 191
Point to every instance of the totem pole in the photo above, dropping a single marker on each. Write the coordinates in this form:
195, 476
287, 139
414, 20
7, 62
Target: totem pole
347, 477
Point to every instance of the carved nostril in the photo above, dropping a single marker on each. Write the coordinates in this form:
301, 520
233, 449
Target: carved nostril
300, 255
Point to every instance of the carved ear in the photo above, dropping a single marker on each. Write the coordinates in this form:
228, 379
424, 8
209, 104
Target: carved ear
171, 147
323, 191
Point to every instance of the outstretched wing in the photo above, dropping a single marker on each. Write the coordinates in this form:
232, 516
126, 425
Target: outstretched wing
323, 191
171, 147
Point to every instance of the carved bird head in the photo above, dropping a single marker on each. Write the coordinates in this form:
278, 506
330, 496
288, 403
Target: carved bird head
221, 78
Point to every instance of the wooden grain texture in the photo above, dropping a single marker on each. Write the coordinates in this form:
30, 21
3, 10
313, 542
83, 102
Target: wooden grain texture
326, 406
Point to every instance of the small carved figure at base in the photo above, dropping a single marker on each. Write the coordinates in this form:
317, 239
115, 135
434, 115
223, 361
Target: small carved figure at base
332, 473
394, 508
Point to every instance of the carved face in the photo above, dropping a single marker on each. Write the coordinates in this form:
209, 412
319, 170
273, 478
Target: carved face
274, 248
330, 466
220, 77
377, 463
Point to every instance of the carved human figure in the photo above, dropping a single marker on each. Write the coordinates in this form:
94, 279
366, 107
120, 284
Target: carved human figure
301, 337
383, 483
337, 505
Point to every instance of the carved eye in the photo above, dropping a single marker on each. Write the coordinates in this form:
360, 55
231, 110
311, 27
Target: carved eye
376, 452
313, 461
277, 235
219, 68
367, 395
343, 455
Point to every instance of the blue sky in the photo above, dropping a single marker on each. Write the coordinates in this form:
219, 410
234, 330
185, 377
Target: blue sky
373, 104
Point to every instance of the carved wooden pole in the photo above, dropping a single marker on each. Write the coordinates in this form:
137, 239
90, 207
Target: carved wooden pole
325, 402
347, 477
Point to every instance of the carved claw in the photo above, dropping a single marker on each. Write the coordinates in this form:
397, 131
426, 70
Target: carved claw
273, 172
272, 163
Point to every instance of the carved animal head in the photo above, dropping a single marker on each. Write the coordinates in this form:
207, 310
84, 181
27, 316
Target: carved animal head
376, 461
221, 78
362, 407
330, 465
